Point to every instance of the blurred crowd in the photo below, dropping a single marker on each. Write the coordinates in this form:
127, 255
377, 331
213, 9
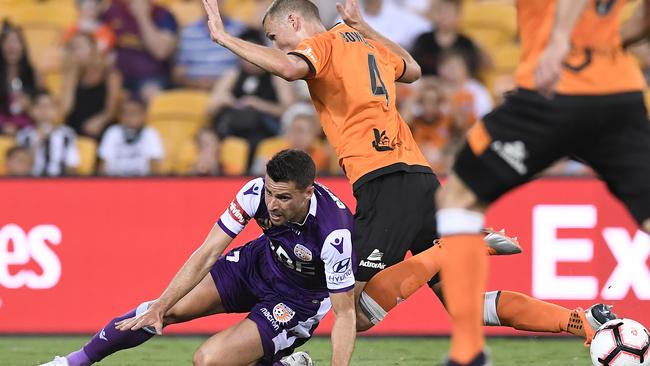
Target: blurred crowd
137, 87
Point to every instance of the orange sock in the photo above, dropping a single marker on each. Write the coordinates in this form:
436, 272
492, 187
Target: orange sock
398, 282
523, 312
464, 272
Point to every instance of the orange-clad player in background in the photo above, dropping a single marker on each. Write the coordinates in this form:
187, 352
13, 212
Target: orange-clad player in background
579, 94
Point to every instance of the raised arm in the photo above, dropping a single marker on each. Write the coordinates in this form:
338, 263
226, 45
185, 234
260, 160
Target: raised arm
549, 67
351, 15
192, 272
272, 60
637, 26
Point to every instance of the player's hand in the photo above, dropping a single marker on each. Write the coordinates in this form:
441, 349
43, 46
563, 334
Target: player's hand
549, 67
152, 317
215, 23
351, 14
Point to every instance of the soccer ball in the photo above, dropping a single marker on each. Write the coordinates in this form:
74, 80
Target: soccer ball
621, 342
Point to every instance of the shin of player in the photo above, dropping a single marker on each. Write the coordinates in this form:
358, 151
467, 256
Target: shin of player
110, 340
463, 270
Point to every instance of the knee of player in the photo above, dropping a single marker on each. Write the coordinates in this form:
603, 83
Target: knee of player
455, 194
204, 358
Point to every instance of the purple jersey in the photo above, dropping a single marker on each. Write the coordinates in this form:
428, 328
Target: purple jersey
315, 256
133, 58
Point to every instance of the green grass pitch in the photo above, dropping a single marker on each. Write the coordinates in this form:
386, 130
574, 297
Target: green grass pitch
170, 350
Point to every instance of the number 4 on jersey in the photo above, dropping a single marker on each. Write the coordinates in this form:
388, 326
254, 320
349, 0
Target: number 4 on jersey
376, 83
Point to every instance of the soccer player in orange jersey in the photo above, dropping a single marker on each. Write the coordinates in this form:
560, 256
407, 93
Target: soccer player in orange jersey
579, 94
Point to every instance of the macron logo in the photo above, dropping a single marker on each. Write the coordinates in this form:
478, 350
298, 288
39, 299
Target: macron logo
375, 256
254, 190
338, 245
102, 335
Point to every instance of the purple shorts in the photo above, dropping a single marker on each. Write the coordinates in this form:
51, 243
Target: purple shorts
246, 284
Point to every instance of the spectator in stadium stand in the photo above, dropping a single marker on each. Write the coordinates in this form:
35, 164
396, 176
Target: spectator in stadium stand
434, 128
18, 80
301, 131
91, 87
207, 160
146, 41
89, 22
469, 99
429, 46
327, 12
199, 62
54, 147
400, 26
18, 162
130, 148
248, 102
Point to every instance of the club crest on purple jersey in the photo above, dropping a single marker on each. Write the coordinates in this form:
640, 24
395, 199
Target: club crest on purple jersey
282, 313
302, 252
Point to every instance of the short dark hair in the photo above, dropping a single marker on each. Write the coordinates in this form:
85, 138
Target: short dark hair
304, 7
292, 166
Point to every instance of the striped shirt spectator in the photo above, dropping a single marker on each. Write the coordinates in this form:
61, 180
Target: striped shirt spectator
200, 62
55, 154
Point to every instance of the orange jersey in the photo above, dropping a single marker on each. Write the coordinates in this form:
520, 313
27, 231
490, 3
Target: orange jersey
352, 86
597, 64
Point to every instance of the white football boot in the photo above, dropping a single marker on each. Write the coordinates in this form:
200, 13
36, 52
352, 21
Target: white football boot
298, 359
498, 243
58, 361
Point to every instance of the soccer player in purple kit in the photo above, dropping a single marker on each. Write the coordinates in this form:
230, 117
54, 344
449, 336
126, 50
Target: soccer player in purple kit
287, 279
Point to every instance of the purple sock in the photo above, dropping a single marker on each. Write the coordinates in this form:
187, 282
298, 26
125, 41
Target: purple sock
108, 341
79, 358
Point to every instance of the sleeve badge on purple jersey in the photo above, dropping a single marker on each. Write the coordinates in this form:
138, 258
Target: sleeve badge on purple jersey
237, 213
303, 253
282, 313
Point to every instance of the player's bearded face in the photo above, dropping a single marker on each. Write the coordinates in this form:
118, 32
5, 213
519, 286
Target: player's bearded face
285, 202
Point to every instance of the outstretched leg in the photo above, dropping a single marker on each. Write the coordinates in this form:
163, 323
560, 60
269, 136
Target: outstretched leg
203, 300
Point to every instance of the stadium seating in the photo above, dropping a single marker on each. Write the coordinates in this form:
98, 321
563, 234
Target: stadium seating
491, 24
270, 146
177, 115
44, 46
88, 155
186, 11
506, 58
53, 82
56, 13
6, 143
234, 155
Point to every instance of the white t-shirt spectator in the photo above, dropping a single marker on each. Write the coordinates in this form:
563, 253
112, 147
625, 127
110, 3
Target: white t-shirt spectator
400, 26
129, 154
55, 153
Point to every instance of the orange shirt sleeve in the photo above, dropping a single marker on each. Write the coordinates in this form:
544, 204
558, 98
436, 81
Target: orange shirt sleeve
316, 52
